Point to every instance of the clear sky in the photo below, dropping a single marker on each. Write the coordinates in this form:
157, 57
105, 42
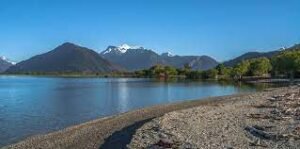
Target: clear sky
222, 29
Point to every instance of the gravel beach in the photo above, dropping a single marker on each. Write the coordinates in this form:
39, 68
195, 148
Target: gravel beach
266, 119
261, 120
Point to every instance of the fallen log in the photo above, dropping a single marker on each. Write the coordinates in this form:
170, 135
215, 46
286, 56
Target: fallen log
260, 133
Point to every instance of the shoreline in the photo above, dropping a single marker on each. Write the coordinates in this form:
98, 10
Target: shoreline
95, 133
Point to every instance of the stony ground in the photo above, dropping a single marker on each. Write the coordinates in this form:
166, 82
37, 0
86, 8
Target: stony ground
268, 119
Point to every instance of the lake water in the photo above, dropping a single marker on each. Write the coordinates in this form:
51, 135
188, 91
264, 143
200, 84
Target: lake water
37, 105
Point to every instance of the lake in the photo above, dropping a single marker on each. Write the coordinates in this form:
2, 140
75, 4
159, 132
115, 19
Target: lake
37, 105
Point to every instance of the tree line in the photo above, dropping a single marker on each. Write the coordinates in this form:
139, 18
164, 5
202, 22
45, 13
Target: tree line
284, 64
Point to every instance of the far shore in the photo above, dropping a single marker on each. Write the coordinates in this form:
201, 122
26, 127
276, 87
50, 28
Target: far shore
252, 80
118, 130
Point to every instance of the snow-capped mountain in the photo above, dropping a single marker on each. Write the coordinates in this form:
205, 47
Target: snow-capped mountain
131, 57
137, 58
5, 64
7, 60
119, 49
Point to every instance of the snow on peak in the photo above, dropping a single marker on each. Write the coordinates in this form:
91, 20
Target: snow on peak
120, 49
283, 48
7, 60
3, 58
124, 46
168, 54
107, 51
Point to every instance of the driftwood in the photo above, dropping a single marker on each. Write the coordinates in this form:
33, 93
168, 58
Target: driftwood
261, 133
274, 99
264, 106
290, 135
278, 107
258, 116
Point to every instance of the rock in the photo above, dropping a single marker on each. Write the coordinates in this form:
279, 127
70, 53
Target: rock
165, 143
288, 111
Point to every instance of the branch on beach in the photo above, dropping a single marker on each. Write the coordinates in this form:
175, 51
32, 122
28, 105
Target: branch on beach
260, 133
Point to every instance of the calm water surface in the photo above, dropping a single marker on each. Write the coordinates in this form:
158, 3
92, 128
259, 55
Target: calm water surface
35, 105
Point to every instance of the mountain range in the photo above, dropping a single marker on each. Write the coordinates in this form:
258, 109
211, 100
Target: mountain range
137, 58
67, 57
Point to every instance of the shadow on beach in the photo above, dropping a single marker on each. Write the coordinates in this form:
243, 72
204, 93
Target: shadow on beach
121, 138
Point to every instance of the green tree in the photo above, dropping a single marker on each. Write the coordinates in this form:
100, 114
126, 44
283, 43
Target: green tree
156, 71
223, 72
288, 62
241, 69
141, 73
170, 71
221, 69
185, 71
212, 73
260, 66
197, 74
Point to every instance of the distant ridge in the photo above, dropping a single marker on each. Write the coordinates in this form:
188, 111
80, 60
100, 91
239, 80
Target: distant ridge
137, 58
67, 57
251, 55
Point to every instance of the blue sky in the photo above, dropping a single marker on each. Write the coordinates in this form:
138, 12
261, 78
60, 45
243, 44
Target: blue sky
222, 29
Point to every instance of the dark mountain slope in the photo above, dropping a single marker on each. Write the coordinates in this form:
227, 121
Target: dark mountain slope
140, 58
133, 59
67, 57
196, 62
